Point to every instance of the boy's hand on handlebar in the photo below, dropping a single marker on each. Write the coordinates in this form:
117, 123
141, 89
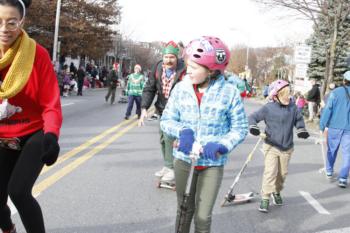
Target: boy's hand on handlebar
254, 130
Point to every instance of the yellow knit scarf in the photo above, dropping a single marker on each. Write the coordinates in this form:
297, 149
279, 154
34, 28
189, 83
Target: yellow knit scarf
21, 58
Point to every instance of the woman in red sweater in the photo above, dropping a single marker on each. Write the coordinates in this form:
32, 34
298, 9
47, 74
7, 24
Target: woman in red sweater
30, 117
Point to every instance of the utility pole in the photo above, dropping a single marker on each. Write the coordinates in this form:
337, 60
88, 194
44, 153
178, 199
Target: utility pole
55, 41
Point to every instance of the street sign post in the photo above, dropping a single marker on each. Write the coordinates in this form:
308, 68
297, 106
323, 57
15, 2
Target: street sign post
302, 57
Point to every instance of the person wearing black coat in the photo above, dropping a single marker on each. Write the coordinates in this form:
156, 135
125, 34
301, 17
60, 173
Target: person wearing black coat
314, 99
81, 75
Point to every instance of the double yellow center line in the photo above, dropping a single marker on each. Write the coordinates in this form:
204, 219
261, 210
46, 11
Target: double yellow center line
52, 179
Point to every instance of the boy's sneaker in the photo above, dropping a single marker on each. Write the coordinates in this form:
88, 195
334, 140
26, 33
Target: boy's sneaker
264, 205
342, 183
277, 199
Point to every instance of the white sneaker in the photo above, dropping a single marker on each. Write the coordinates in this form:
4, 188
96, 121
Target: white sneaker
161, 172
169, 176
154, 117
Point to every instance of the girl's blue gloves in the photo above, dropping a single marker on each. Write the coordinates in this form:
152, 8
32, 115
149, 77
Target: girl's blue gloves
186, 141
211, 149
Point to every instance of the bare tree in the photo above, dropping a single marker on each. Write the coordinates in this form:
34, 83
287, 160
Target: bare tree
335, 12
238, 59
272, 63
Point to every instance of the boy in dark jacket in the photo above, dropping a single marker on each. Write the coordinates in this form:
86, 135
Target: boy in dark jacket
280, 116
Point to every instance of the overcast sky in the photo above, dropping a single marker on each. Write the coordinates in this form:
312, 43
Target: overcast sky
234, 21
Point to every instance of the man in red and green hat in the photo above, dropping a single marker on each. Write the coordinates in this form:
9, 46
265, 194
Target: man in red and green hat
164, 76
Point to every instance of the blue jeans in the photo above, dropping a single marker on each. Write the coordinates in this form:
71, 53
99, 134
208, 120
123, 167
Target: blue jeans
337, 137
137, 100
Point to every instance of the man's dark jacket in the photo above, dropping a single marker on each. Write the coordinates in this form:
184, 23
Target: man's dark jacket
112, 79
314, 94
154, 86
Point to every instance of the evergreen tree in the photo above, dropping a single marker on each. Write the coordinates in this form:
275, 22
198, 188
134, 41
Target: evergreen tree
320, 42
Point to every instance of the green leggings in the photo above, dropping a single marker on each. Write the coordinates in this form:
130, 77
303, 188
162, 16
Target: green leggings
166, 143
204, 190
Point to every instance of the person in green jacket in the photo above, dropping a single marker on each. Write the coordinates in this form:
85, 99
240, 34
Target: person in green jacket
136, 82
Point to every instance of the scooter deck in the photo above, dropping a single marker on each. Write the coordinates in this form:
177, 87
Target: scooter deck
239, 199
167, 185
243, 197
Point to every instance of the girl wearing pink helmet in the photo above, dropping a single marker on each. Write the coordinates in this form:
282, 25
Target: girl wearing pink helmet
280, 116
206, 109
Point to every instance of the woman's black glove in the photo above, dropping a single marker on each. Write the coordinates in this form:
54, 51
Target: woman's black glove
302, 133
51, 149
254, 129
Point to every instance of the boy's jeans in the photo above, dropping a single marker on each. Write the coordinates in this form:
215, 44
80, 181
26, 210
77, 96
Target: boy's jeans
337, 137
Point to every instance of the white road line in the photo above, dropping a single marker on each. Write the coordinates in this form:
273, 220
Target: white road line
12, 206
313, 202
339, 230
67, 104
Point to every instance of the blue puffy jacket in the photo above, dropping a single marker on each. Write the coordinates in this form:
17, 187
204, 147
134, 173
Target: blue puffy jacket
336, 113
220, 117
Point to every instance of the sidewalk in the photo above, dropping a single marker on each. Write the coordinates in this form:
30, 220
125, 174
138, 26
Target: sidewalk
314, 125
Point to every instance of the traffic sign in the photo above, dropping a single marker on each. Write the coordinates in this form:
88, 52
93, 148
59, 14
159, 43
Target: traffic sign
302, 54
301, 70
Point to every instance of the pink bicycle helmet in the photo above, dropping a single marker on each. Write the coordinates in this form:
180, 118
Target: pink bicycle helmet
276, 86
208, 51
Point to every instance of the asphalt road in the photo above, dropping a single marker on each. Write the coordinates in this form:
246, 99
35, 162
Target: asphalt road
104, 181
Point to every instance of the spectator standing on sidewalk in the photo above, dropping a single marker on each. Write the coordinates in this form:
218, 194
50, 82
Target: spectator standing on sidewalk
336, 117
72, 69
164, 77
313, 99
80, 75
300, 102
66, 83
134, 89
266, 91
